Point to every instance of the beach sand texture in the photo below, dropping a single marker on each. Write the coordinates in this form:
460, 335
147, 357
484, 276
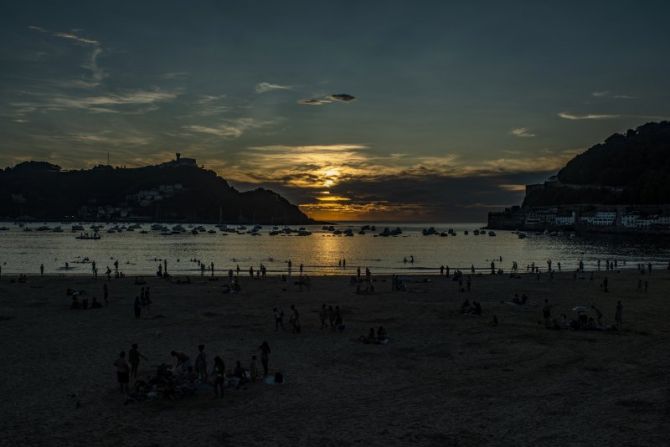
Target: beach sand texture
445, 379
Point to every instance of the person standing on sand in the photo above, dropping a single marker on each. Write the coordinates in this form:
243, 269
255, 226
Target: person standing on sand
122, 372
546, 313
147, 299
618, 315
201, 363
323, 316
219, 373
253, 369
339, 323
294, 320
134, 356
265, 359
279, 319
105, 294
331, 316
138, 307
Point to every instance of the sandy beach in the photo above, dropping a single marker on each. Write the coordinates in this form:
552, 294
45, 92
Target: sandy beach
444, 379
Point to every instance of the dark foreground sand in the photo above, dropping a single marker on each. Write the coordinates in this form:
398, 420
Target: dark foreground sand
445, 379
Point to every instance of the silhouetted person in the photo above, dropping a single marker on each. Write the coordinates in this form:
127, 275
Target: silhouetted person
618, 315
219, 373
122, 372
134, 357
265, 357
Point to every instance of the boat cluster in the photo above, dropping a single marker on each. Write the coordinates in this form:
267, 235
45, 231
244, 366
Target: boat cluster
431, 231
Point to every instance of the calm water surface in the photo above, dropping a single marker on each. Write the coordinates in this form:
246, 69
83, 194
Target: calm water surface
23, 252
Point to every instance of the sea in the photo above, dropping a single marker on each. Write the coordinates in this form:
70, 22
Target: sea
139, 249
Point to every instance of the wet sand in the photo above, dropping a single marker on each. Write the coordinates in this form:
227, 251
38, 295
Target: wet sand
445, 379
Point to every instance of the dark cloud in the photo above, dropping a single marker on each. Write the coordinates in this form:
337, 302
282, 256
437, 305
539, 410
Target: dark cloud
329, 99
430, 197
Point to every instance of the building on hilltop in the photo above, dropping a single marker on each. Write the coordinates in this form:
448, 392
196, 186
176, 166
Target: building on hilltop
181, 161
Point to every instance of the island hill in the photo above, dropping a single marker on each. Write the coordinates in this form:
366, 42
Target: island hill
621, 185
176, 191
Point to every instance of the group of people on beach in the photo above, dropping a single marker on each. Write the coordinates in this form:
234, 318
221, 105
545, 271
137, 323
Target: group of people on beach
583, 321
380, 338
331, 318
142, 302
184, 377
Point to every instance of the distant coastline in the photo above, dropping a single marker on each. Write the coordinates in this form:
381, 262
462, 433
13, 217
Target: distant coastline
619, 186
176, 191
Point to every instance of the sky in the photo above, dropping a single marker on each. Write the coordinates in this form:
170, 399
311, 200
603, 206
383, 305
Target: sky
353, 110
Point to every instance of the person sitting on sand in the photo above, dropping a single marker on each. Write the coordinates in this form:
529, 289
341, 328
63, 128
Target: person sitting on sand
382, 335
75, 303
494, 321
219, 373
476, 308
95, 304
599, 315
183, 361
465, 306
371, 338
122, 372
240, 374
